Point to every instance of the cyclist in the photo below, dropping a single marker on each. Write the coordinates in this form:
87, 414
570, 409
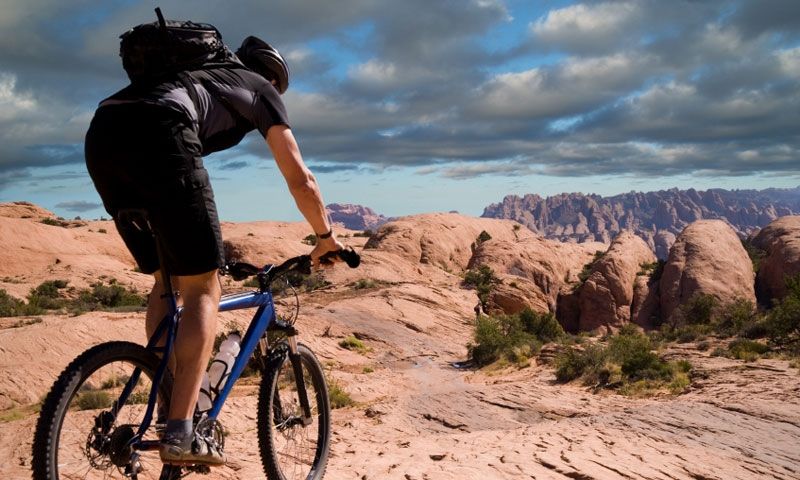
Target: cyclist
144, 149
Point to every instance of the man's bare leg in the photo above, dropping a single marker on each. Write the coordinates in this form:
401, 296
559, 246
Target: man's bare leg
200, 294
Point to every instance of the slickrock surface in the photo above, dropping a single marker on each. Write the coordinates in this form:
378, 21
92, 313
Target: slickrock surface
707, 258
445, 240
532, 271
781, 241
607, 295
417, 417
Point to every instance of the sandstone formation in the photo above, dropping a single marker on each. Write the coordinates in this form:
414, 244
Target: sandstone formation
781, 242
646, 300
655, 216
531, 272
707, 258
415, 416
445, 240
606, 296
355, 217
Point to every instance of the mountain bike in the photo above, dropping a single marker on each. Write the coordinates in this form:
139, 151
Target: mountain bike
96, 420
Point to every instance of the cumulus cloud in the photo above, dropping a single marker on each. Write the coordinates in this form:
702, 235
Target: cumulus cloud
641, 87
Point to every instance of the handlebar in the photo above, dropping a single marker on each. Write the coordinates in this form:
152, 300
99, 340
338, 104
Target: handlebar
302, 264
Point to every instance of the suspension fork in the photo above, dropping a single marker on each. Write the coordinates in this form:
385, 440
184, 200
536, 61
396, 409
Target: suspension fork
297, 368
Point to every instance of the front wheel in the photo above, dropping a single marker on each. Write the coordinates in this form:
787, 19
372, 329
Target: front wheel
78, 435
290, 449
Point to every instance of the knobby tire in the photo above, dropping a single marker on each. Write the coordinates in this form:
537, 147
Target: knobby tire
277, 401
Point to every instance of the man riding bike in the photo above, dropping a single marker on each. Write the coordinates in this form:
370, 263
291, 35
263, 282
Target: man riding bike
144, 149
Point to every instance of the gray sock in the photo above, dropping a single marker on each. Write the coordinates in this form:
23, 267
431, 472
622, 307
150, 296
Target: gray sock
180, 433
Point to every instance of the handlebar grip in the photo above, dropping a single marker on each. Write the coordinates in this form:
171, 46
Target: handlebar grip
348, 255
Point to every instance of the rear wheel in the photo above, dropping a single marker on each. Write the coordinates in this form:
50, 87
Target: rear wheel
291, 450
78, 436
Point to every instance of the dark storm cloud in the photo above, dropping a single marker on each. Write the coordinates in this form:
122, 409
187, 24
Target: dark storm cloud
641, 87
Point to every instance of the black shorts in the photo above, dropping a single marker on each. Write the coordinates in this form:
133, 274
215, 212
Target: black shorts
149, 157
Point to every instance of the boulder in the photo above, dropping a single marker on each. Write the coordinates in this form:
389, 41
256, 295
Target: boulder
707, 259
781, 242
606, 296
446, 240
533, 271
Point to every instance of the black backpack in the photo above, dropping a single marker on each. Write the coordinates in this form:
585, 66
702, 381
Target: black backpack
155, 51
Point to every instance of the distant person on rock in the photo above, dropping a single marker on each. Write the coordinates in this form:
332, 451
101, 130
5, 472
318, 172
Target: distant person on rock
144, 150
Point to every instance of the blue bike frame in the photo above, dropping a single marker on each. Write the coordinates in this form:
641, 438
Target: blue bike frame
262, 319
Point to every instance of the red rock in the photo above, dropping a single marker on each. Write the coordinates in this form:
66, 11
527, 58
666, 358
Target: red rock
707, 258
781, 241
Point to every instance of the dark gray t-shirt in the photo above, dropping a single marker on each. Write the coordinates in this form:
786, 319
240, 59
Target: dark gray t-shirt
231, 103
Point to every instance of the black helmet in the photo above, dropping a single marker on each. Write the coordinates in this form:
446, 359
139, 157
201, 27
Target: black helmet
260, 57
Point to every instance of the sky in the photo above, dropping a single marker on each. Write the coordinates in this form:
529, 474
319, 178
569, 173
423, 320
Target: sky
437, 105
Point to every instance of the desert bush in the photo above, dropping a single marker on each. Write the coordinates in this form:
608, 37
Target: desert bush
748, 350
586, 271
543, 326
47, 296
104, 297
698, 310
339, 397
627, 362
93, 399
735, 317
363, 283
782, 324
352, 343
483, 237
310, 239
512, 337
54, 222
756, 254
482, 278
366, 233
10, 306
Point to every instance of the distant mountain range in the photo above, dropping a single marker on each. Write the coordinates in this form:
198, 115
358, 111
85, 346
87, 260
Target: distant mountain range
657, 217
355, 217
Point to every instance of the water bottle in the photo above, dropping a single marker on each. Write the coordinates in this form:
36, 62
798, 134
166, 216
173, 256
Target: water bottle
204, 399
223, 362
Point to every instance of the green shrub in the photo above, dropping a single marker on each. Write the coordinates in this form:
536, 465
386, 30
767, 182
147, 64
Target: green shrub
482, 278
352, 343
573, 363
338, 396
627, 362
698, 310
483, 237
47, 296
512, 337
748, 350
736, 317
10, 306
586, 271
55, 222
310, 239
543, 326
365, 283
756, 254
782, 324
93, 399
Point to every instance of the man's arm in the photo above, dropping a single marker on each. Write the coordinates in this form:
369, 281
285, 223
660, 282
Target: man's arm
302, 185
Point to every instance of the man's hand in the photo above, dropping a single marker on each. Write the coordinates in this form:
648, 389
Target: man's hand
324, 246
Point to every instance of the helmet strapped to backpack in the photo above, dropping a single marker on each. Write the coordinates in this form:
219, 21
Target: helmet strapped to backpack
262, 58
152, 51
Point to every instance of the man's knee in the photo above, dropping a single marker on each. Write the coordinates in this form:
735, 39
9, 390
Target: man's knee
201, 284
